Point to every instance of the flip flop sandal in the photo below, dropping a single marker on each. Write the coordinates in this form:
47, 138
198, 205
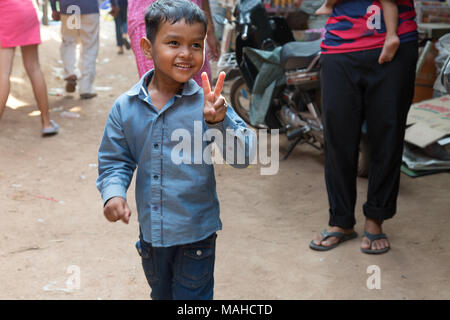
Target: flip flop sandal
126, 43
372, 238
50, 131
325, 235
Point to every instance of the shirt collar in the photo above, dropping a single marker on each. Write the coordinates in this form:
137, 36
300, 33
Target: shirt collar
188, 89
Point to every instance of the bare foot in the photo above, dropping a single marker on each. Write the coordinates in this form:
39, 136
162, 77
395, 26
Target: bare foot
390, 47
373, 226
47, 126
331, 240
324, 10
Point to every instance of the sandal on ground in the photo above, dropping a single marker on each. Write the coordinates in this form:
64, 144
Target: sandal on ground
325, 235
52, 130
372, 238
126, 43
87, 95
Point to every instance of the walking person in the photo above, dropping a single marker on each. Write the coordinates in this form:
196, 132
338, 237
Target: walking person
119, 10
19, 27
356, 87
79, 21
136, 31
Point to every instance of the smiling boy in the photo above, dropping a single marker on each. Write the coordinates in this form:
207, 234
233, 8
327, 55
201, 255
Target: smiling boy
177, 204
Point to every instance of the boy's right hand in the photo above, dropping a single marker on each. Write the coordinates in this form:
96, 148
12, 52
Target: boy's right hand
117, 208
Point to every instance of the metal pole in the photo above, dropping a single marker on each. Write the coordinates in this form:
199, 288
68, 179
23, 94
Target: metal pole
423, 54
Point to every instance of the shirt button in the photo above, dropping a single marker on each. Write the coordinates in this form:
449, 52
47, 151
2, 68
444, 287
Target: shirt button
199, 253
155, 177
155, 208
156, 146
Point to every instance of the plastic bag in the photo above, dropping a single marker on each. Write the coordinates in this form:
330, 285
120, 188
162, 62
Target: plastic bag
445, 75
442, 64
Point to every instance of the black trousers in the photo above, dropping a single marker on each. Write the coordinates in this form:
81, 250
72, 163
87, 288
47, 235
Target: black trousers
356, 88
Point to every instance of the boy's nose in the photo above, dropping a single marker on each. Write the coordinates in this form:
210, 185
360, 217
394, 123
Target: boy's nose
185, 52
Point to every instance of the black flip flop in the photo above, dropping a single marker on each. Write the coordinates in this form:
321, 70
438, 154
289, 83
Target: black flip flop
372, 238
325, 235
126, 43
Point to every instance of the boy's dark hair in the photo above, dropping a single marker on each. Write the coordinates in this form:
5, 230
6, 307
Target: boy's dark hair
172, 11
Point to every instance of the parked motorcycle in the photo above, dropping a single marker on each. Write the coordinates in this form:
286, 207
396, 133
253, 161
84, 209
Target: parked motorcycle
295, 106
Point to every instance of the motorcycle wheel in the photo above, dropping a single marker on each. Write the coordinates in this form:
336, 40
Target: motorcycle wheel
241, 97
363, 161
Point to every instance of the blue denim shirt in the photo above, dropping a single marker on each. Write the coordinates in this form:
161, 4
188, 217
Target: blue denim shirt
86, 6
176, 199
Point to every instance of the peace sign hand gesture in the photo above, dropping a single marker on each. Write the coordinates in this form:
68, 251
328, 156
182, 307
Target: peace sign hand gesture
215, 107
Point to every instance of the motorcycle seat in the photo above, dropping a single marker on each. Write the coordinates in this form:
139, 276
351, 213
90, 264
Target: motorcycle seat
298, 55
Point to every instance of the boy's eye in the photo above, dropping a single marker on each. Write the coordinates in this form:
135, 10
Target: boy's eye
173, 43
197, 45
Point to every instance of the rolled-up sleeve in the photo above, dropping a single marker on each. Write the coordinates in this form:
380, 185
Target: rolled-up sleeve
115, 161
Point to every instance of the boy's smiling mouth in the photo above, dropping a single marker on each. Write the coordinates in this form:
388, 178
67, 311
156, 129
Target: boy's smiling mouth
184, 66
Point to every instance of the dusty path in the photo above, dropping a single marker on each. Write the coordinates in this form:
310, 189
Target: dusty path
52, 222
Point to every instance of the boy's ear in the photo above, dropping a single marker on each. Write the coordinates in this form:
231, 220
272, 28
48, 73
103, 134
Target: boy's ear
146, 47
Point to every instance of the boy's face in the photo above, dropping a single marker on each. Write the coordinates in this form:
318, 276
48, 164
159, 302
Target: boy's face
177, 50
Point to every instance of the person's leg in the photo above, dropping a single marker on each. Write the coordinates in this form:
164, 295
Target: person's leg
30, 59
118, 24
157, 264
392, 41
89, 34
124, 20
68, 47
194, 270
124, 27
388, 98
342, 119
6, 62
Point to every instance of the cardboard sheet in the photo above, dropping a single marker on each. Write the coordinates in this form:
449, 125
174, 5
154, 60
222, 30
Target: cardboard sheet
429, 121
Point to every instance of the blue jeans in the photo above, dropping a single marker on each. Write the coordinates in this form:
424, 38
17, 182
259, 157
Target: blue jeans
184, 272
121, 25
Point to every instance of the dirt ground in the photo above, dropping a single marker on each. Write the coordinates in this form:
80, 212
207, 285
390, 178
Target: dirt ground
53, 230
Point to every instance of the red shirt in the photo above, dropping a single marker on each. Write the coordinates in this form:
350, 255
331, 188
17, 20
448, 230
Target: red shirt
357, 25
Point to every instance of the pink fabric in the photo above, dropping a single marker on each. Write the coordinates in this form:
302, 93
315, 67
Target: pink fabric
136, 31
19, 23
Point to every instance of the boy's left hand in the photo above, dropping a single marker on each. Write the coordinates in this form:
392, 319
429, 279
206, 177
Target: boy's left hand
215, 107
